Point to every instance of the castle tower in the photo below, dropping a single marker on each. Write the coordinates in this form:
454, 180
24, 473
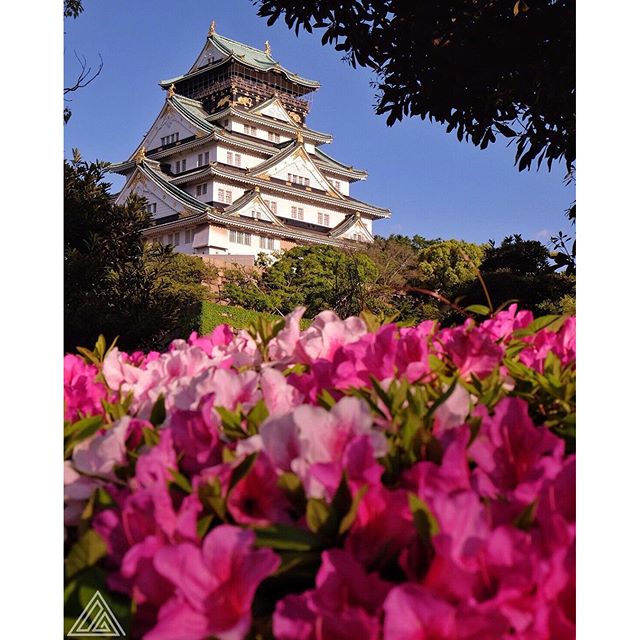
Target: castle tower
230, 166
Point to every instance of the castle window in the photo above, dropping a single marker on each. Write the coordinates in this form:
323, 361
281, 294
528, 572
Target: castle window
266, 243
297, 213
273, 206
294, 179
188, 236
273, 137
323, 218
237, 159
151, 207
250, 131
201, 189
229, 157
239, 237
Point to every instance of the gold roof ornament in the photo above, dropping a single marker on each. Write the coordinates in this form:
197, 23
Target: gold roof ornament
172, 91
299, 138
267, 48
257, 189
140, 155
212, 28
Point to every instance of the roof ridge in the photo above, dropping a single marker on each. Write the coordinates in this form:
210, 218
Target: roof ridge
242, 44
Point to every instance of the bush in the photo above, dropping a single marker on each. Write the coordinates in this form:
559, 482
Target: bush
114, 284
318, 277
273, 482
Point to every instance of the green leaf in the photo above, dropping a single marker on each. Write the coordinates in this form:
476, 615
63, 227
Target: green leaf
525, 518
231, 422
85, 553
258, 414
550, 322
286, 537
480, 309
325, 399
158, 412
296, 560
84, 426
203, 525
382, 394
241, 471
180, 481
350, 517
319, 515
81, 430
425, 521
210, 494
151, 436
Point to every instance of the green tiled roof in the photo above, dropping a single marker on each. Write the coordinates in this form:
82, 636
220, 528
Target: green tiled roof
252, 57
255, 58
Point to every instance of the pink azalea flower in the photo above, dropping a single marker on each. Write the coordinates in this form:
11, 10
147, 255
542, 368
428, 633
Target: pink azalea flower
283, 346
221, 336
154, 467
383, 527
82, 394
99, 454
213, 585
413, 613
471, 350
256, 499
196, 437
504, 323
326, 334
454, 411
345, 605
279, 396
312, 435
514, 456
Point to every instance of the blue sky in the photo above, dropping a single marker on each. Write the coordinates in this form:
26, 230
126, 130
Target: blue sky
434, 185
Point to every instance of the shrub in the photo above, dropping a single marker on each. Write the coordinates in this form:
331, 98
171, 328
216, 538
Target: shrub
362, 480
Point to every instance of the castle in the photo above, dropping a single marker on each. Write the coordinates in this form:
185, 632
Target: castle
230, 167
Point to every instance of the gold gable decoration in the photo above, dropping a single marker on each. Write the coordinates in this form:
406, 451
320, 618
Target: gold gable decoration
267, 48
141, 154
171, 91
212, 28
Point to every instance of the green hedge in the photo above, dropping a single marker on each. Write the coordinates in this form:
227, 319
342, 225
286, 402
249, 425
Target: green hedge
214, 314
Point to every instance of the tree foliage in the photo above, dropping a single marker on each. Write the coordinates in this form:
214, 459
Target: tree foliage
518, 270
113, 284
318, 277
481, 68
446, 264
522, 257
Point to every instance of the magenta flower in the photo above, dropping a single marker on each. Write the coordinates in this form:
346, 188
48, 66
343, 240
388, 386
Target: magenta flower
413, 613
471, 350
82, 394
514, 457
345, 605
311, 435
213, 585
256, 499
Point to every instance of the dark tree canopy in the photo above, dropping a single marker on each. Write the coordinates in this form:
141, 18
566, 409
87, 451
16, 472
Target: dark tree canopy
522, 257
114, 284
482, 67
